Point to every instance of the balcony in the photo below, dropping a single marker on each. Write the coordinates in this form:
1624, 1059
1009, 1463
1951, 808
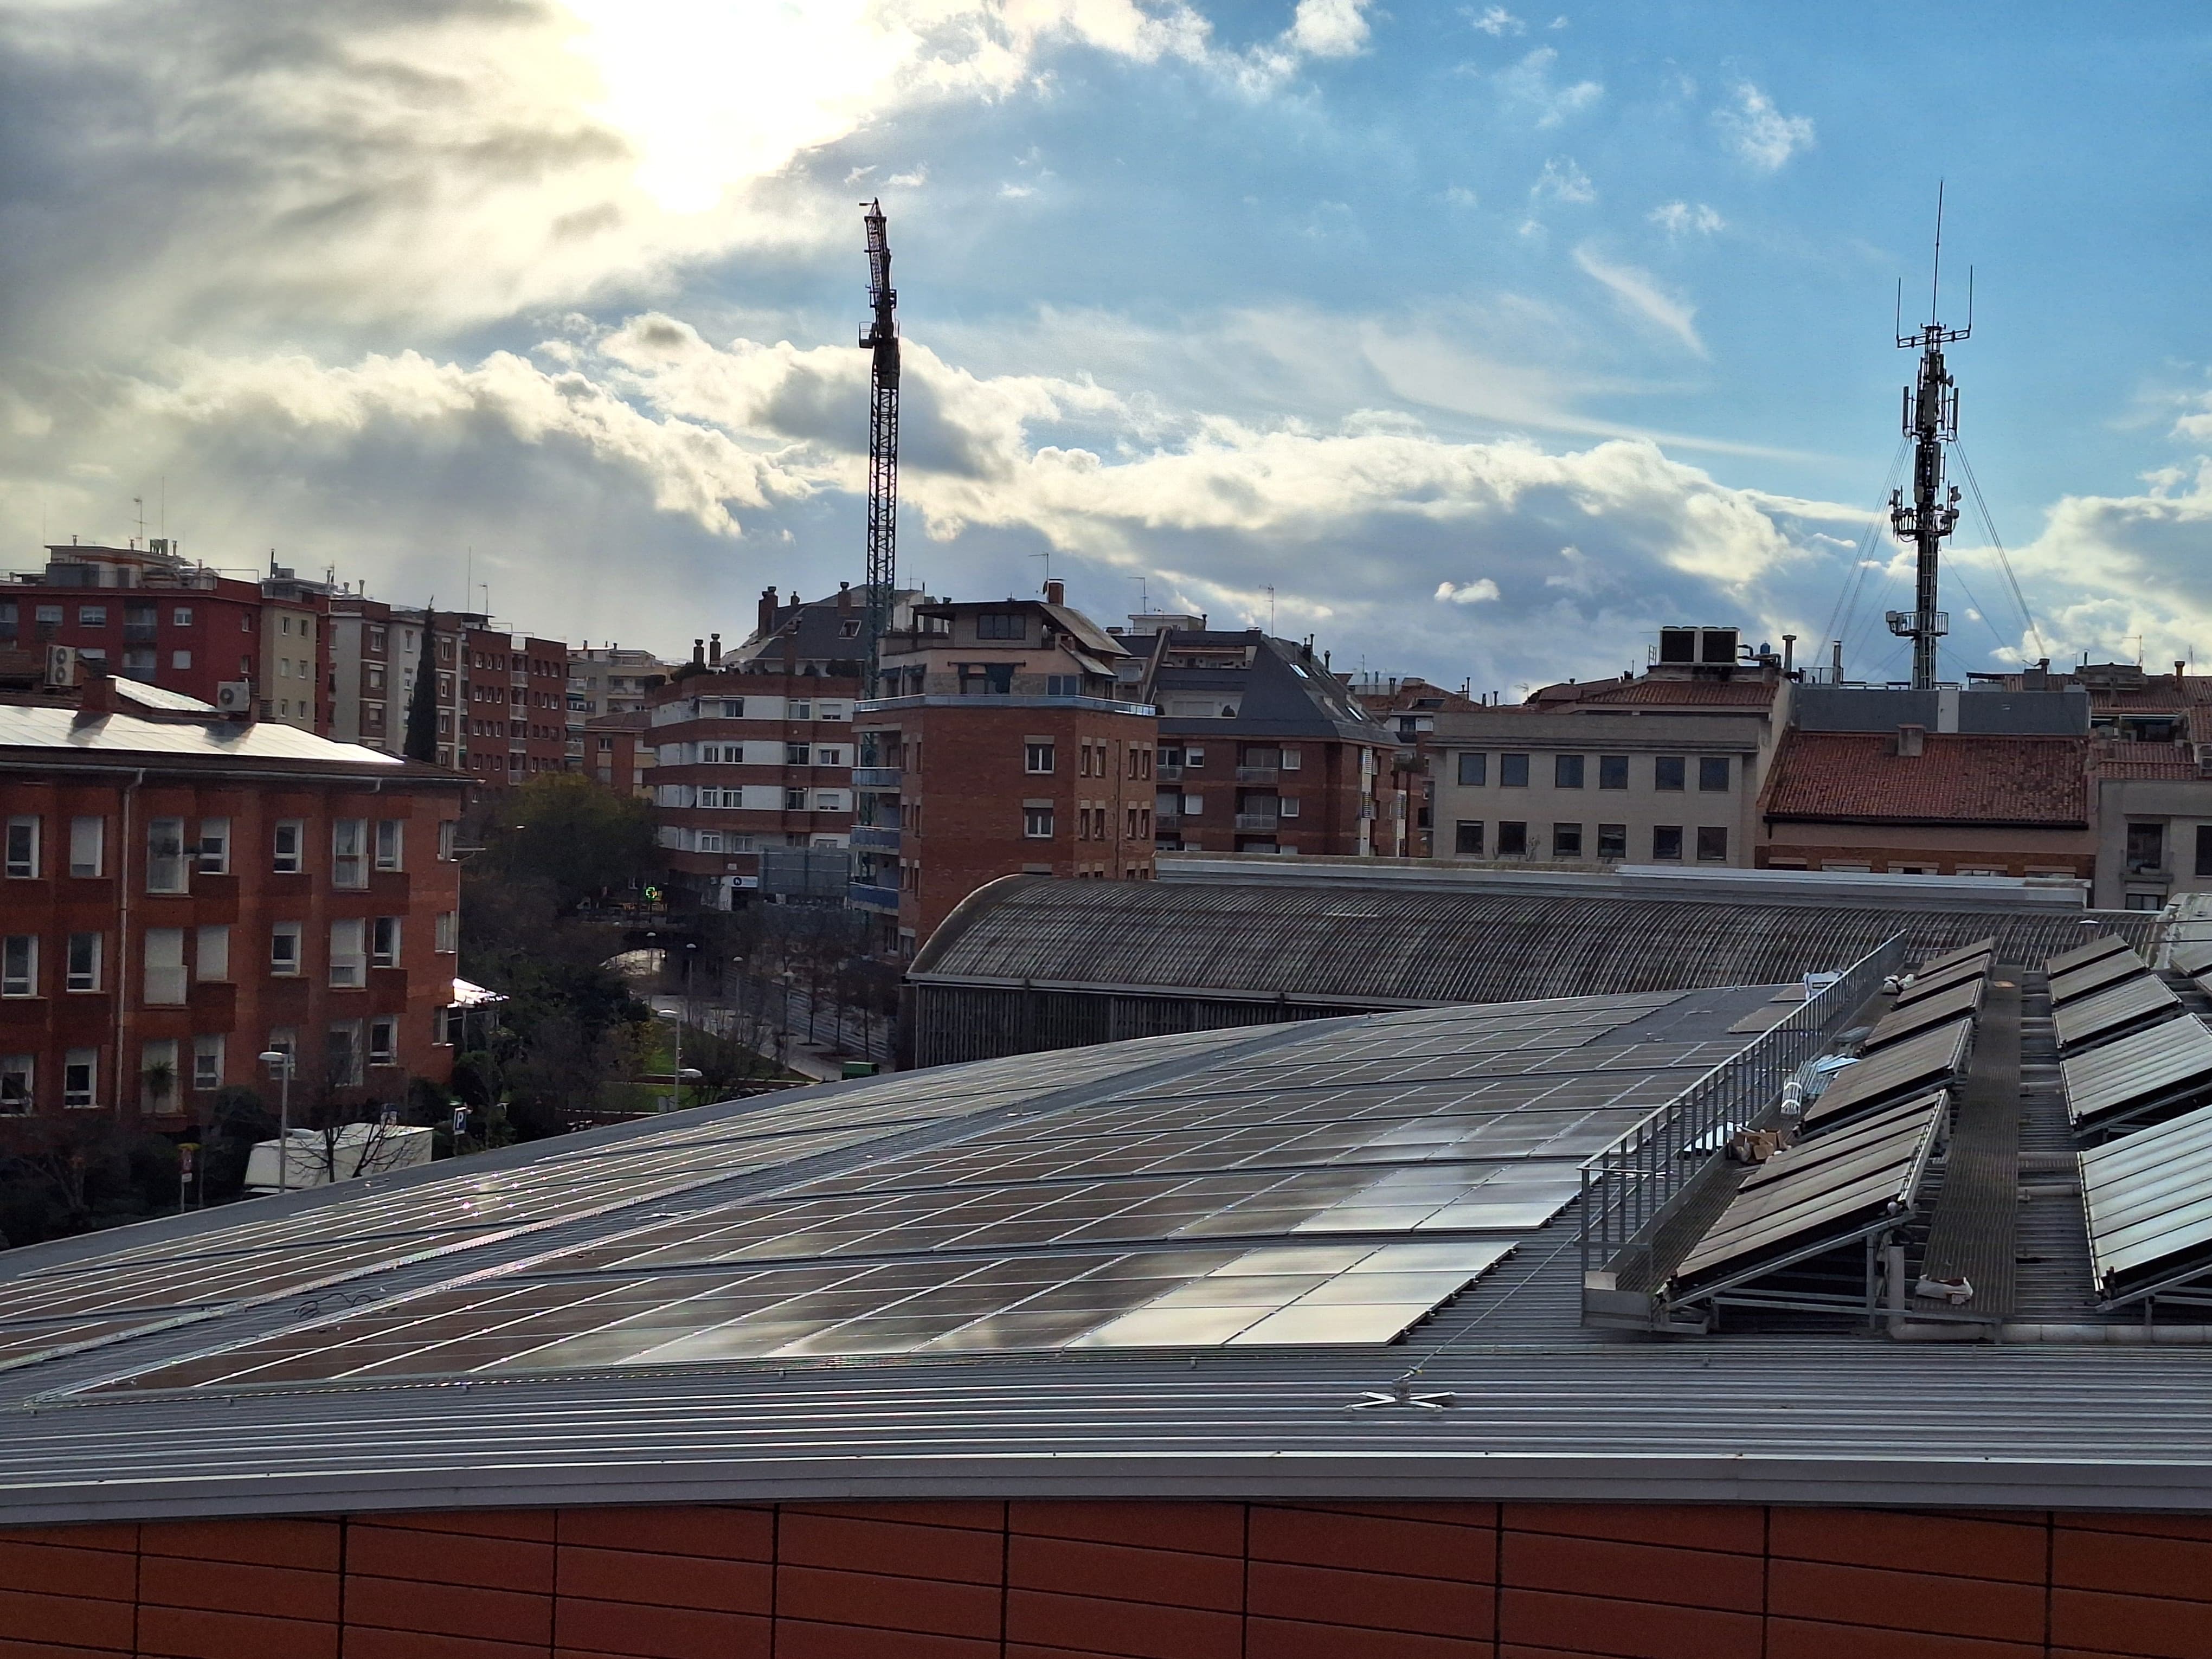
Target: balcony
877, 777
1267, 821
135, 632
1258, 774
882, 900
1168, 773
875, 837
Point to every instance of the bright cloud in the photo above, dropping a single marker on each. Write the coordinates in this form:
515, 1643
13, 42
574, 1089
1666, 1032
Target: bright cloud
1640, 293
1497, 22
1530, 84
1481, 591
1563, 180
1759, 132
1679, 219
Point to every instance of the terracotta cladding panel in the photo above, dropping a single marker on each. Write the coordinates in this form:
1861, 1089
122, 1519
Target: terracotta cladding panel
57, 1570
1796, 1639
438, 1610
2133, 1563
1207, 1529
1907, 1600
308, 1544
360, 1643
664, 1632
449, 1558
665, 1580
1174, 1578
282, 1592
1642, 1572
1275, 1638
185, 1633
796, 1639
2014, 1549
1685, 1526
2141, 1627
1626, 1630
67, 1620
1127, 1630
1373, 1543
901, 1548
1372, 1601
880, 1602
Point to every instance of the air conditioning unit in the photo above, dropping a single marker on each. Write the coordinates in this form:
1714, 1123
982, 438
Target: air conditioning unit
61, 664
235, 697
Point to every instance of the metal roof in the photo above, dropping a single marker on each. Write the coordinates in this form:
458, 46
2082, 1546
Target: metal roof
1308, 936
50, 727
1542, 1408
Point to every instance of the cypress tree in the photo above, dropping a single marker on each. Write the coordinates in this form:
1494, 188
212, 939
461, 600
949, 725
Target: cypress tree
421, 742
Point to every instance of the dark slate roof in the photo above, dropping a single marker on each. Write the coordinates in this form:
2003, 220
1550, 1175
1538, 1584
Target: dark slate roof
1317, 941
1858, 777
1283, 694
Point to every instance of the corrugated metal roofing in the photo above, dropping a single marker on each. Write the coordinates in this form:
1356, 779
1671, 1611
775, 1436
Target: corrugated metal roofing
36, 727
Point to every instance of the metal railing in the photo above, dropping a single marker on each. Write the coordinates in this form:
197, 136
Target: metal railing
1258, 821
1258, 774
1627, 1187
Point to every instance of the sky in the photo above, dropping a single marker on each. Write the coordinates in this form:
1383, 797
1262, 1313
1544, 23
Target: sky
1479, 342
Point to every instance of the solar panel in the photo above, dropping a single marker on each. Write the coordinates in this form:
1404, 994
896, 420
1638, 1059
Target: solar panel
1961, 1000
2191, 959
2093, 977
2148, 1199
1928, 985
2168, 1064
2121, 1007
1919, 1063
1981, 949
2103, 945
1811, 1197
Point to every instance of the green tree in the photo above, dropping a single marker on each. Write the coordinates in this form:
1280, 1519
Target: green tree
575, 835
422, 742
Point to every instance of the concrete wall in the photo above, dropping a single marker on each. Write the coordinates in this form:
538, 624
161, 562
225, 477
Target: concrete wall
1062, 1580
2183, 807
1639, 809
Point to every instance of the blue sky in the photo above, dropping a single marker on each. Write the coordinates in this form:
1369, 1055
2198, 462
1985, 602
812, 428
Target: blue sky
1490, 339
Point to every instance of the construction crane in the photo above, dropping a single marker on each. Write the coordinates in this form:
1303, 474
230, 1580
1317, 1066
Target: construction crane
880, 335
1931, 421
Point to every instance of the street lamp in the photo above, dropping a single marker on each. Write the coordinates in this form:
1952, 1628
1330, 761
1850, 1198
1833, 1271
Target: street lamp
685, 1074
280, 1062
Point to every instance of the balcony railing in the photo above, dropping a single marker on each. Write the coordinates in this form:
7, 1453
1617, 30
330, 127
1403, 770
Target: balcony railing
877, 777
1258, 820
876, 837
1169, 772
1258, 774
861, 897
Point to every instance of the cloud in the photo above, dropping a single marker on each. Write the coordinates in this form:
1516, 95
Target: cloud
1481, 591
1497, 22
1679, 219
1640, 293
1319, 29
1761, 134
1563, 180
1529, 83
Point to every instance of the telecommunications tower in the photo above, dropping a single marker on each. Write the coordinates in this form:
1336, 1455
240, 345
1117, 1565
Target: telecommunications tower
879, 334
1931, 421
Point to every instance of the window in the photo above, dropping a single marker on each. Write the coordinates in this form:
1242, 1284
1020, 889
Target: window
797, 754
350, 853
999, 625
448, 933
342, 1054
1712, 846
1667, 843
92, 616
87, 838
384, 1041
2146, 847
19, 965
165, 965
284, 948
1473, 769
2204, 850
215, 847
1612, 771
18, 1082
1613, 840
84, 969
1566, 840
1666, 771
1467, 842
794, 800
384, 943
391, 842
2145, 901
349, 964
1063, 685
1713, 772
802, 709
1566, 771
180, 659
291, 842
213, 956
47, 619
1292, 760
81, 1078
1194, 757
23, 848
158, 1055
1512, 839
1037, 823
1037, 758
165, 855
1512, 772
987, 679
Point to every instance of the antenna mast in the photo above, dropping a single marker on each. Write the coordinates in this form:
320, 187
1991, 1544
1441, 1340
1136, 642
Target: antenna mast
1931, 421
880, 335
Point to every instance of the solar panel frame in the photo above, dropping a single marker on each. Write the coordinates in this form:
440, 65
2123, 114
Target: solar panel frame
2067, 961
2148, 1198
2143, 1071
1963, 1000
2191, 957
1967, 952
2087, 980
1929, 985
2118, 1008
1922, 1062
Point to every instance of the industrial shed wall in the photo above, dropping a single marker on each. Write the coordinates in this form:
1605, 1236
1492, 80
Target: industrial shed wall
1036, 1580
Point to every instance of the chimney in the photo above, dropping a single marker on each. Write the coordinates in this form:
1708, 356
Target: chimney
698, 654
1788, 651
844, 596
1910, 740
1056, 592
2179, 670
767, 609
714, 649
96, 694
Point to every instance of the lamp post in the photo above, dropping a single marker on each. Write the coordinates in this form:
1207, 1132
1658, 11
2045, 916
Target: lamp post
280, 1062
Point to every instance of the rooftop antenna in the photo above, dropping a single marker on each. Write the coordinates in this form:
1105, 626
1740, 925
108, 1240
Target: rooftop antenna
1931, 421
1271, 609
139, 502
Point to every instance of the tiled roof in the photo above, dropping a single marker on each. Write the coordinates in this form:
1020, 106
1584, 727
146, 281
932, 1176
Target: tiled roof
2116, 759
1663, 694
1859, 777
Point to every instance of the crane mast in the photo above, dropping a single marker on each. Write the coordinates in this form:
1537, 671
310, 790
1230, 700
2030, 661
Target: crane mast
880, 335
1931, 421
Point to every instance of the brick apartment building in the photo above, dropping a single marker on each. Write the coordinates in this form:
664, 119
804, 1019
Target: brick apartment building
1004, 742
513, 720
1408, 707
1262, 749
182, 889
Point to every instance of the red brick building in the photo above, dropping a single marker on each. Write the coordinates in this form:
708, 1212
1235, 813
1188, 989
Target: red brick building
182, 890
1005, 744
513, 702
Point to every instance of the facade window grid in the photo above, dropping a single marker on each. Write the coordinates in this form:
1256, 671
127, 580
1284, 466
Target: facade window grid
22, 850
80, 969
1513, 771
